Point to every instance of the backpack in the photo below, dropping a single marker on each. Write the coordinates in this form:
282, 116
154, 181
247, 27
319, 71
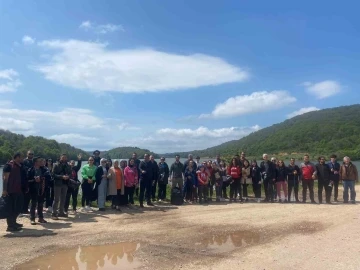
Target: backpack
176, 196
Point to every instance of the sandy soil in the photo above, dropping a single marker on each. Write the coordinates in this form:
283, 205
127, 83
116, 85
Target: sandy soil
265, 236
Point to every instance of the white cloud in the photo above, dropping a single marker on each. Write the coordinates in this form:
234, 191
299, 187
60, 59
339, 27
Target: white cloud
101, 28
94, 67
127, 126
9, 81
16, 125
74, 139
323, 89
27, 40
302, 111
253, 103
167, 140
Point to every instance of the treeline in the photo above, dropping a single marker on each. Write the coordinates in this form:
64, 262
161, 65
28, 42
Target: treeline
126, 152
11, 143
323, 132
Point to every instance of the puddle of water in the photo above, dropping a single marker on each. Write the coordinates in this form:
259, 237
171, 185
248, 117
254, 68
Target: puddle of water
227, 242
115, 256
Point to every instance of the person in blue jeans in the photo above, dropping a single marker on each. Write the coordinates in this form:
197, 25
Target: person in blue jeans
349, 175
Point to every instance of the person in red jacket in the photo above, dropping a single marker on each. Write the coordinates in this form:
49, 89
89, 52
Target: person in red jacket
308, 175
234, 171
203, 181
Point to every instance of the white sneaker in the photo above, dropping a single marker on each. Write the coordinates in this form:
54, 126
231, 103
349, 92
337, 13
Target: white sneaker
88, 209
160, 200
50, 209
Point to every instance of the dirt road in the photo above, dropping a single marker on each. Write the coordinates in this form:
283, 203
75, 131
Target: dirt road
226, 236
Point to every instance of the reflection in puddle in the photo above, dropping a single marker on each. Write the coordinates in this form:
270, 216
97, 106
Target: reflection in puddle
228, 242
116, 256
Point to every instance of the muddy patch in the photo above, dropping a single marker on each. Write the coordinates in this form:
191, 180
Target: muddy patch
115, 256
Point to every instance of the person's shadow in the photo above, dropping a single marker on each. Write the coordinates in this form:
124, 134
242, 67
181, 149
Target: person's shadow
26, 232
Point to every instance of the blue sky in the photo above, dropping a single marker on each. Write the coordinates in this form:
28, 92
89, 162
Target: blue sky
171, 75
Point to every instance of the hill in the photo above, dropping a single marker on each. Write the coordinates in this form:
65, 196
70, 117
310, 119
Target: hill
335, 130
126, 153
11, 143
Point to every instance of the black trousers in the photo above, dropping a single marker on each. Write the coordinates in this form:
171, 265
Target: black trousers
16, 202
86, 193
145, 190
269, 189
129, 193
257, 190
153, 189
293, 185
116, 199
49, 195
245, 191
336, 189
235, 187
324, 185
37, 202
162, 191
305, 185
224, 186
26, 202
71, 193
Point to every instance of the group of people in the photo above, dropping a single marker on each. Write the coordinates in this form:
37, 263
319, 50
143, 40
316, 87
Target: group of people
35, 181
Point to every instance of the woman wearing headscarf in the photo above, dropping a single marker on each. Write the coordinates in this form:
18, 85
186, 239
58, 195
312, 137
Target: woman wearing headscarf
116, 185
101, 183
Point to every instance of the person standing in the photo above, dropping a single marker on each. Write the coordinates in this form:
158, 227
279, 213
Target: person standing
323, 176
202, 177
87, 185
14, 183
61, 174
197, 161
349, 175
116, 186
96, 158
27, 164
190, 183
146, 179
334, 175
131, 179
137, 165
293, 179
73, 192
49, 196
155, 172
176, 173
186, 163
101, 175
281, 180
38, 178
255, 173
163, 179
217, 179
268, 172
308, 175
234, 171
245, 178
209, 170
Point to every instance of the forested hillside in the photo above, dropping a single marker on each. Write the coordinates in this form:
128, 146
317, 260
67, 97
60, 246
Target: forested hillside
324, 132
11, 143
126, 152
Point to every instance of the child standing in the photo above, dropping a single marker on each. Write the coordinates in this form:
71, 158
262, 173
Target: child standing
246, 179
202, 184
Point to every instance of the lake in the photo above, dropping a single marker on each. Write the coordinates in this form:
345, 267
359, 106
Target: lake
169, 161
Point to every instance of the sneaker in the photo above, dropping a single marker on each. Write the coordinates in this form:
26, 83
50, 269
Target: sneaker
102, 209
50, 209
313, 202
345, 202
42, 221
150, 204
65, 215
13, 229
55, 217
159, 200
353, 202
32, 222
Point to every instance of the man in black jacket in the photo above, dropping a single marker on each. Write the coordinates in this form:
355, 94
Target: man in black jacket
146, 179
268, 171
61, 173
27, 164
71, 191
155, 172
294, 173
323, 174
334, 175
38, 178
137, 164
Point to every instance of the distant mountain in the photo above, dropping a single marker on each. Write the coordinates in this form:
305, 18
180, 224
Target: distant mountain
324, 132
126, 153
10, 143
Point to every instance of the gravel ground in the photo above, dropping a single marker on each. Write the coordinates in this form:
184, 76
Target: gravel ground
218, 236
